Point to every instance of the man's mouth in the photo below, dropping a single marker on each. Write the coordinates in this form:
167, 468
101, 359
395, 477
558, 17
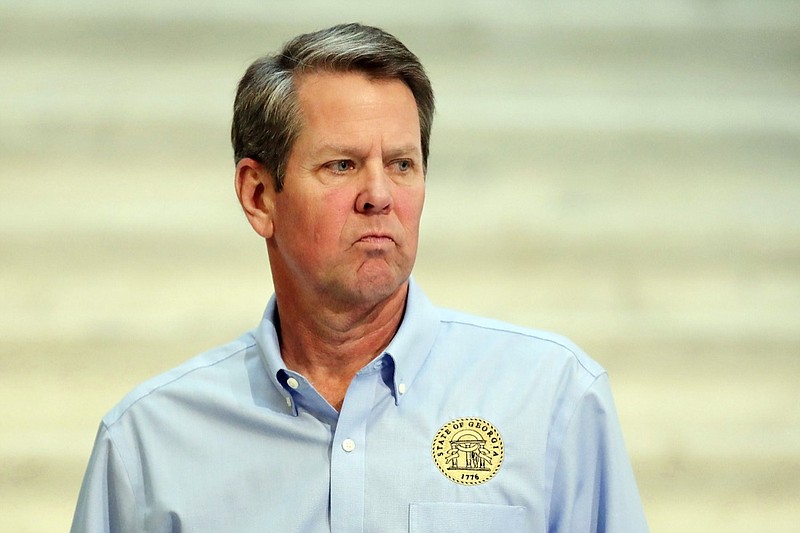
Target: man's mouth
376, 238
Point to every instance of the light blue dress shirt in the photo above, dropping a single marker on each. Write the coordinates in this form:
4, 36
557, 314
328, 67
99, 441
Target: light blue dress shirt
233, 441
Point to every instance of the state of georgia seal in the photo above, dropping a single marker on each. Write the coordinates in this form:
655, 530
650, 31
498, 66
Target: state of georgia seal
468, 451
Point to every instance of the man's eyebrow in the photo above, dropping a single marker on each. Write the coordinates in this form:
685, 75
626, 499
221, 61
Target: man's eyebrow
403, 150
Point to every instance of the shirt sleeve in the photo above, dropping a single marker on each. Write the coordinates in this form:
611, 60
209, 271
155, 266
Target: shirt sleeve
106, 502
594, 489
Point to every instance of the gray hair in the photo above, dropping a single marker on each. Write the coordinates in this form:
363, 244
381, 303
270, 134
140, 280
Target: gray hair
266, 112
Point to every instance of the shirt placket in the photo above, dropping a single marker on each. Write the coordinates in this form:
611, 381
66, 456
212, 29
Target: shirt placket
348, 455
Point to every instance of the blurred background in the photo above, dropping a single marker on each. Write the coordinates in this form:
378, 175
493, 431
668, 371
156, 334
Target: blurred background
626, 174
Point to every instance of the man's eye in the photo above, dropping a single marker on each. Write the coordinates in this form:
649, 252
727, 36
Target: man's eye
342, 165
403, 165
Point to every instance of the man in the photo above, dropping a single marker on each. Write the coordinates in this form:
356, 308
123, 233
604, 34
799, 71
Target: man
356, 405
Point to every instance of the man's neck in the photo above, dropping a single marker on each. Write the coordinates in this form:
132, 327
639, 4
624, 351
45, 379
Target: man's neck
330, 347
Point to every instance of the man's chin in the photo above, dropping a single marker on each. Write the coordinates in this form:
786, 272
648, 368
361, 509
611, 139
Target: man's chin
373, 286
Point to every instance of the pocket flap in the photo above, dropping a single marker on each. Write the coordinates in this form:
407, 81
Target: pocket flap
464, 518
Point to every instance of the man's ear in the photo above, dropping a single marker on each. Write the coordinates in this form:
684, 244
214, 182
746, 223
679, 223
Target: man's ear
256, 193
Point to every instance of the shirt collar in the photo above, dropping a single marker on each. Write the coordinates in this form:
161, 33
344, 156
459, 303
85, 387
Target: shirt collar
267, 340
407, 350
414, 339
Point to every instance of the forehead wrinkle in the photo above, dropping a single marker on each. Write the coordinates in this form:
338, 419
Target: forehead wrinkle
339, 149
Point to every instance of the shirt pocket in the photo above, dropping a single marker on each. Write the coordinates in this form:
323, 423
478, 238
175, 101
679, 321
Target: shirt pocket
465, 518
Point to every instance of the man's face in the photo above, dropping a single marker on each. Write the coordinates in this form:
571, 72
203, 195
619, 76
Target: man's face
345, 225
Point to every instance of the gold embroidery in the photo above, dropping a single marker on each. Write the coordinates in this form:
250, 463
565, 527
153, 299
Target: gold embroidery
469, 451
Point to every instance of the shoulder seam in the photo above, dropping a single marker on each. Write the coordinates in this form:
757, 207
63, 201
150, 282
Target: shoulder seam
113, 447
530, 335
109, 423
549, 483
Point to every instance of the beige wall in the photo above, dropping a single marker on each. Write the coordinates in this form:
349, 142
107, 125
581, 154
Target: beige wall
629, 177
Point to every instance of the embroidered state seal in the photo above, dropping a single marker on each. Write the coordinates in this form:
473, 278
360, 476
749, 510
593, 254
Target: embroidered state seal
468, 451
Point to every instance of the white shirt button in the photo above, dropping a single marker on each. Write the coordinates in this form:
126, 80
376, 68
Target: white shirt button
401, 388
293, 383
288, 401
348, 445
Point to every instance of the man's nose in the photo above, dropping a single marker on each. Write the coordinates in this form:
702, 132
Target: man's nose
375, 195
